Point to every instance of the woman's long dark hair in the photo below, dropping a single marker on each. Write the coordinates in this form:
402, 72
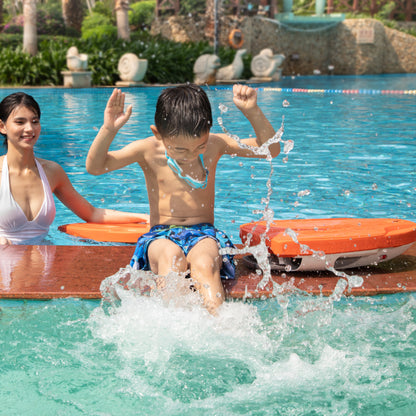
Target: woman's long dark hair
13, 101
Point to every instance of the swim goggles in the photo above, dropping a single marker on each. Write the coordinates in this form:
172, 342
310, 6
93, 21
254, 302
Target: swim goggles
190, 181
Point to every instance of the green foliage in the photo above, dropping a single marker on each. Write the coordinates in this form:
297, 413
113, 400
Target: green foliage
20, 68
50, 22
95, 20
103, 9
192, 7
14, 25
302, 7
168, 61
142, 13
385, 12
99, 32
10, 40
97, 25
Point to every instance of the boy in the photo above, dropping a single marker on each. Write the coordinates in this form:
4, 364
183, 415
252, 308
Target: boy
179, 163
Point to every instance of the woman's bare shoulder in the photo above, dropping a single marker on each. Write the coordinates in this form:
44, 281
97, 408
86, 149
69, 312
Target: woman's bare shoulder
50, 166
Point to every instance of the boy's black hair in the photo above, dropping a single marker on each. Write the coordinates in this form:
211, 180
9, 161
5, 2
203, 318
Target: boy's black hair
183, 110
13, 101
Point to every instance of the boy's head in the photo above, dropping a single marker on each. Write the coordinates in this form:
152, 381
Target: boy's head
183, 111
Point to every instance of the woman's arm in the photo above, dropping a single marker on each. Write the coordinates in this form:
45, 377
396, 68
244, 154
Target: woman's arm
66, 193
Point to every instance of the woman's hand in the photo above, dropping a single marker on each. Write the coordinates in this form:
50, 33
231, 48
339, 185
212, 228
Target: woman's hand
114, 116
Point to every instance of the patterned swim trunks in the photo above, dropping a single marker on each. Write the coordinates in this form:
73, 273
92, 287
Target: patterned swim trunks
185, 237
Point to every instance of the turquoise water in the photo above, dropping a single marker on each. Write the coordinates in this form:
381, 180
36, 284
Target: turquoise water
353, 155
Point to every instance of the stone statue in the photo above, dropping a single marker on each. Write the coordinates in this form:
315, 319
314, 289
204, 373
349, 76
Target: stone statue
266, 66
77, 75
205, 68
76, 61
131, 69
234, 70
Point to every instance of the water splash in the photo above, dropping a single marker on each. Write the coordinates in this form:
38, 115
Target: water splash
261, 251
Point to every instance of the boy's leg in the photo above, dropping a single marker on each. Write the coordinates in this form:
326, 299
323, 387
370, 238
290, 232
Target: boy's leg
205, 264
165, 256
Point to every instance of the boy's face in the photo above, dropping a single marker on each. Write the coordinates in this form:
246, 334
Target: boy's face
185, 149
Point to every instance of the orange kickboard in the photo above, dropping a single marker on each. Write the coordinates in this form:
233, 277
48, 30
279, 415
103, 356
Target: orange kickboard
117, 233
331, 235
46, 272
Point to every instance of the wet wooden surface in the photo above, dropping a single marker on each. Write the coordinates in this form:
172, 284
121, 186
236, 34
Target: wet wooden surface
46, 272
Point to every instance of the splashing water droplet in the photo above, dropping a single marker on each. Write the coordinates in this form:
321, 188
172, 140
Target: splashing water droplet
288, 146
374, 186
223, 108
285, 103
304, 193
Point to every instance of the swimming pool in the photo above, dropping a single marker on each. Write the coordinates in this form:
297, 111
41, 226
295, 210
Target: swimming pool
354, 155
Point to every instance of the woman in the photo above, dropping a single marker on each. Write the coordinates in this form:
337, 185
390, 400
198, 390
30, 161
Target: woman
27, 207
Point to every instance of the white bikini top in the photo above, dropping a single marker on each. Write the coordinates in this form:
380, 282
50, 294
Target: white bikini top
14, 224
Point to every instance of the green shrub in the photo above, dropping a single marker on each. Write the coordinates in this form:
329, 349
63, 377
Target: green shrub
20, 68
97, 25
168, 61
50, 22
99, 32
103, 9
15, 25
142, 14
192, 7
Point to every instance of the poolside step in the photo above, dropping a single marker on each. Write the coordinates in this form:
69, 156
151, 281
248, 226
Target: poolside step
46, 272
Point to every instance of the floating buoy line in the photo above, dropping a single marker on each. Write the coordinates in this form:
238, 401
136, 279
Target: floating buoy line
331, 91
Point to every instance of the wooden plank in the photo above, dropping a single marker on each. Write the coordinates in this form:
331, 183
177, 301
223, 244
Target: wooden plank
46, 272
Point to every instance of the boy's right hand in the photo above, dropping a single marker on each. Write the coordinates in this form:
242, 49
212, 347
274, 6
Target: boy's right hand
114, 116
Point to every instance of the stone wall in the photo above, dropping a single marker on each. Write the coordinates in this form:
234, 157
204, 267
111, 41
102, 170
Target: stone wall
352, 47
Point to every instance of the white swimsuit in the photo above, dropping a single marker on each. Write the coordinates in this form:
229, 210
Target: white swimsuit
14, 224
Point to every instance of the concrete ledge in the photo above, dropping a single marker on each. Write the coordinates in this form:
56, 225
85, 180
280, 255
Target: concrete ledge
81, 79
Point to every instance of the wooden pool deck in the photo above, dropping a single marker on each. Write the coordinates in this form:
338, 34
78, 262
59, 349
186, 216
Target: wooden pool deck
47, 272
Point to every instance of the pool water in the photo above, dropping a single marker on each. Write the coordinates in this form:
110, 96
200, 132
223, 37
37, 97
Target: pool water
354, 155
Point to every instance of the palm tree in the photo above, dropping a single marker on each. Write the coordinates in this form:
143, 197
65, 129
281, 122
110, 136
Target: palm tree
122, 15
30, 34
72, 13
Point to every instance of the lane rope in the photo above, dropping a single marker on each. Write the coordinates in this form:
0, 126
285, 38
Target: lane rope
329, 91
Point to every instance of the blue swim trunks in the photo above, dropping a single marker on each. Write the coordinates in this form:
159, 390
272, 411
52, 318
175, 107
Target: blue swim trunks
185, 237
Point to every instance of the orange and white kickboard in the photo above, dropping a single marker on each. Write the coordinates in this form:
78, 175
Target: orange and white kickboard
318, 244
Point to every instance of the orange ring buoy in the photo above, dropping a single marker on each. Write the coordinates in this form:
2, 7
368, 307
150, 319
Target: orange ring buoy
236, 39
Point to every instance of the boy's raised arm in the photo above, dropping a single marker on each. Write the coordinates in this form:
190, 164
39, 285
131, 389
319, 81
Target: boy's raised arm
245, 99
98, 159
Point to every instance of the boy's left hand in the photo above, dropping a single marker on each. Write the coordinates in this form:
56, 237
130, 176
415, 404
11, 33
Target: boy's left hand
244, 97
114, 115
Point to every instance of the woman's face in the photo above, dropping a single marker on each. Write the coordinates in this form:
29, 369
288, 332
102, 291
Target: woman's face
22, 127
